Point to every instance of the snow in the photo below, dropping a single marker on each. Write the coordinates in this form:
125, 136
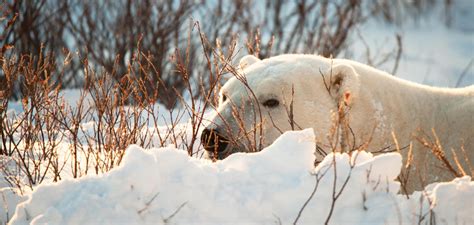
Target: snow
9, 199
432, 53
165, 186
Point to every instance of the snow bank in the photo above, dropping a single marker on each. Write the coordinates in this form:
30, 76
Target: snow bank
164, 185
9, 199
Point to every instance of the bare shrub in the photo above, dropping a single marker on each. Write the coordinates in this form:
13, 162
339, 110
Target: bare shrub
51, 138
32, 136
106, 33
450, 161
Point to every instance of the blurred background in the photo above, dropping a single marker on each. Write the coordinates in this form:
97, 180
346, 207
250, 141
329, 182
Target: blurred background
426, 41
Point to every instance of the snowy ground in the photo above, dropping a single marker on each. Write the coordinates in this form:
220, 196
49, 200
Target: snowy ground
164, 186
432, 53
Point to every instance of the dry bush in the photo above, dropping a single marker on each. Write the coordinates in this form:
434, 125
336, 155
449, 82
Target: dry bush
30, 137
106, 33
51, 138
401, 11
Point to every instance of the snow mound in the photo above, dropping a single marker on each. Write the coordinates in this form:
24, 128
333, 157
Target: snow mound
277, 185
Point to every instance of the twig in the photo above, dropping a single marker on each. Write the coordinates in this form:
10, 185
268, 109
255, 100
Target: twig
399, 54
168, 219
147, 204
464, 72
307, 200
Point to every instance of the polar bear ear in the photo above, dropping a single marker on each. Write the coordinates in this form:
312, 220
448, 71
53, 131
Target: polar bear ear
343, 83
247, 61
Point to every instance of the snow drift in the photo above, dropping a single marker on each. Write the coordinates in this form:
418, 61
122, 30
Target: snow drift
277, 185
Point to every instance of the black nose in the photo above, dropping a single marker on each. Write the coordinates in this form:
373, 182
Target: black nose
213, 141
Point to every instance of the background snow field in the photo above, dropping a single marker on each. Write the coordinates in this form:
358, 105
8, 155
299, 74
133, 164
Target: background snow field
165, 186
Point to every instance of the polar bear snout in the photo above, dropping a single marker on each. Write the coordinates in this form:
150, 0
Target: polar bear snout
214, 143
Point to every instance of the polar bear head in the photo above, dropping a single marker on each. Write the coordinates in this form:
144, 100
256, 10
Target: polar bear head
268, 97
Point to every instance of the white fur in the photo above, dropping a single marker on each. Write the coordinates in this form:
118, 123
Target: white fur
378, 105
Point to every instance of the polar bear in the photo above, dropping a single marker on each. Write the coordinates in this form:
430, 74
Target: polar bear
350, 106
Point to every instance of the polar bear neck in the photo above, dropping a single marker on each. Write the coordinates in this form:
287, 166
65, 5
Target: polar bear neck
418, 107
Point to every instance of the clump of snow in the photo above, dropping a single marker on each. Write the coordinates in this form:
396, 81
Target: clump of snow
9, 196
162, 186
9, 199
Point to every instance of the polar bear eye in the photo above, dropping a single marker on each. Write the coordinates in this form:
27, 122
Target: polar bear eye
271, 103
224, 98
